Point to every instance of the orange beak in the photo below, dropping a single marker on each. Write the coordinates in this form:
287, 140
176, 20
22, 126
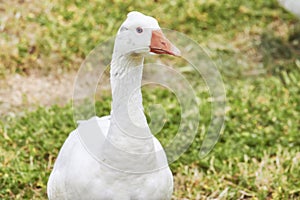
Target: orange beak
161, 45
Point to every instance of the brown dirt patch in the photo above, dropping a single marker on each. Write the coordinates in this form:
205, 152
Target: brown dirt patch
18, 92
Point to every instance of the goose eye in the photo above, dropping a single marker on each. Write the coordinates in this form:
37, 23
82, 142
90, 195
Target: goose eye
139, 30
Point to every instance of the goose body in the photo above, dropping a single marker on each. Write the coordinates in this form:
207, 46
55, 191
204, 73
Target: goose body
77, 175
291, 5
116, 157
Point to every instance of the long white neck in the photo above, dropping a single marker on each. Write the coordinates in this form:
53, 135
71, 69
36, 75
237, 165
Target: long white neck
129, 141
127, 103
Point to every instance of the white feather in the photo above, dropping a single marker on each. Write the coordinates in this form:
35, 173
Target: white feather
291, 5
99, 158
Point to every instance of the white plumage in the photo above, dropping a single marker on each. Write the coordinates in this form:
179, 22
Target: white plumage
291, 5
116, 157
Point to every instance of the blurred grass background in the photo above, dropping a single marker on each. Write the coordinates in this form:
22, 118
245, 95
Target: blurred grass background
255, 44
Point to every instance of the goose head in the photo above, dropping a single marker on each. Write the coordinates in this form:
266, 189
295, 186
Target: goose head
141, 35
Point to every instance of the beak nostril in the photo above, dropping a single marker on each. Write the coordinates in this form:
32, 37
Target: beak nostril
161, 45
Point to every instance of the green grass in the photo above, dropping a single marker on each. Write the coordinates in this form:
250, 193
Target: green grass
259, 152
56, 36
256, 46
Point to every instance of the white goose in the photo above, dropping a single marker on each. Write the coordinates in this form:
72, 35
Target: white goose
291, 5
116, 157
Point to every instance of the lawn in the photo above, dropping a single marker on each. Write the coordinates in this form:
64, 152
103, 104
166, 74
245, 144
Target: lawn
254, 44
